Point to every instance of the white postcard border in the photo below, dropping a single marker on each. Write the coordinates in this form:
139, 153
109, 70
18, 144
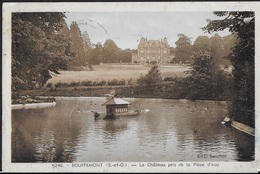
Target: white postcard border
8, 8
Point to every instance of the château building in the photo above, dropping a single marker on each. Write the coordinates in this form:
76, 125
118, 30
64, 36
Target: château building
152, 51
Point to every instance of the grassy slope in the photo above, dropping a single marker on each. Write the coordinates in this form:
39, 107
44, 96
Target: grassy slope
116, 71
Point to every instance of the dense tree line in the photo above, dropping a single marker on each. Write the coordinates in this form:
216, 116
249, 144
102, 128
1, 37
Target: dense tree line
109, 52
88, 53
217, 46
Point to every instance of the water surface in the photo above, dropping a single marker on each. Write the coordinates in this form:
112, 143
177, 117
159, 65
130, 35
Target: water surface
165, 130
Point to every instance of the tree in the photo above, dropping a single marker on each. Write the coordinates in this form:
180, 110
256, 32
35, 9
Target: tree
37, 48
125, 55
183, 52
150, 82
229, 42
95, 54
242, 58
110, 52
78, 45
202, 44
206, 81
216, 44
87, 46
86, 41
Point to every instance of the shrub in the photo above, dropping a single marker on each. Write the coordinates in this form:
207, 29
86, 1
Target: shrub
74, 83
116, 82
101, 83
130, 81
86, 83
59, 84
150, 82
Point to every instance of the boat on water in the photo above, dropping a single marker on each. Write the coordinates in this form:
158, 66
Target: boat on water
116, 107
239, 126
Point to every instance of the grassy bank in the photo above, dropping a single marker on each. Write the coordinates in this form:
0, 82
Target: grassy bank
77, 91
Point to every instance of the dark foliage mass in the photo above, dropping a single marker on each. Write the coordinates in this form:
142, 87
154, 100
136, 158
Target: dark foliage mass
219, 47
150, 83
109, 52
242, 58
205, 81
38, 48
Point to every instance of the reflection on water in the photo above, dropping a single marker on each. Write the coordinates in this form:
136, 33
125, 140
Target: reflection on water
165, 130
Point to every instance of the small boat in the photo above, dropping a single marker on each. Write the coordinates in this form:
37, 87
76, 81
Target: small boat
239, 126
243, 128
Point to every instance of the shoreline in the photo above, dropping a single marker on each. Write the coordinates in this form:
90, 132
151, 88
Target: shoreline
98, 91
33, 105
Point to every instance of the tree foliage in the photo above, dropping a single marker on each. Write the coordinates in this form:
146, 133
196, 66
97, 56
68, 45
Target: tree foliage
150, 82
202, 43
242, 58
206, 81
78, 45
183, 50
38, 48
212, 45
217, 46
125, 56
95, 54
110, 52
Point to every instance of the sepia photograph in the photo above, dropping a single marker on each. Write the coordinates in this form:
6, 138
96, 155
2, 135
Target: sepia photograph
153, 87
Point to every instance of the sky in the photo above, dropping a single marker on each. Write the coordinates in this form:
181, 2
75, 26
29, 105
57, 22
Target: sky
126, 28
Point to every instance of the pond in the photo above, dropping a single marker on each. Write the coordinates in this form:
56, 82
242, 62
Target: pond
165, 130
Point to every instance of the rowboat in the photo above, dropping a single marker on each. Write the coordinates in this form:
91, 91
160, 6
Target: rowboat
239, 126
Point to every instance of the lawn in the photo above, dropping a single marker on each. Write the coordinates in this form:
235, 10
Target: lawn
115, 71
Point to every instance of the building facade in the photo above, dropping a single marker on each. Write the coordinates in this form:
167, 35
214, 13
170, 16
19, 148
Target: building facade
152, 51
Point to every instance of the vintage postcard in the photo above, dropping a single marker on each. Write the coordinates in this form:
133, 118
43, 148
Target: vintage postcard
130, 87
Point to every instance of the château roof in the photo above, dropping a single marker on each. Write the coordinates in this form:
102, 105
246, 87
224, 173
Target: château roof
116, 101
153, 43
